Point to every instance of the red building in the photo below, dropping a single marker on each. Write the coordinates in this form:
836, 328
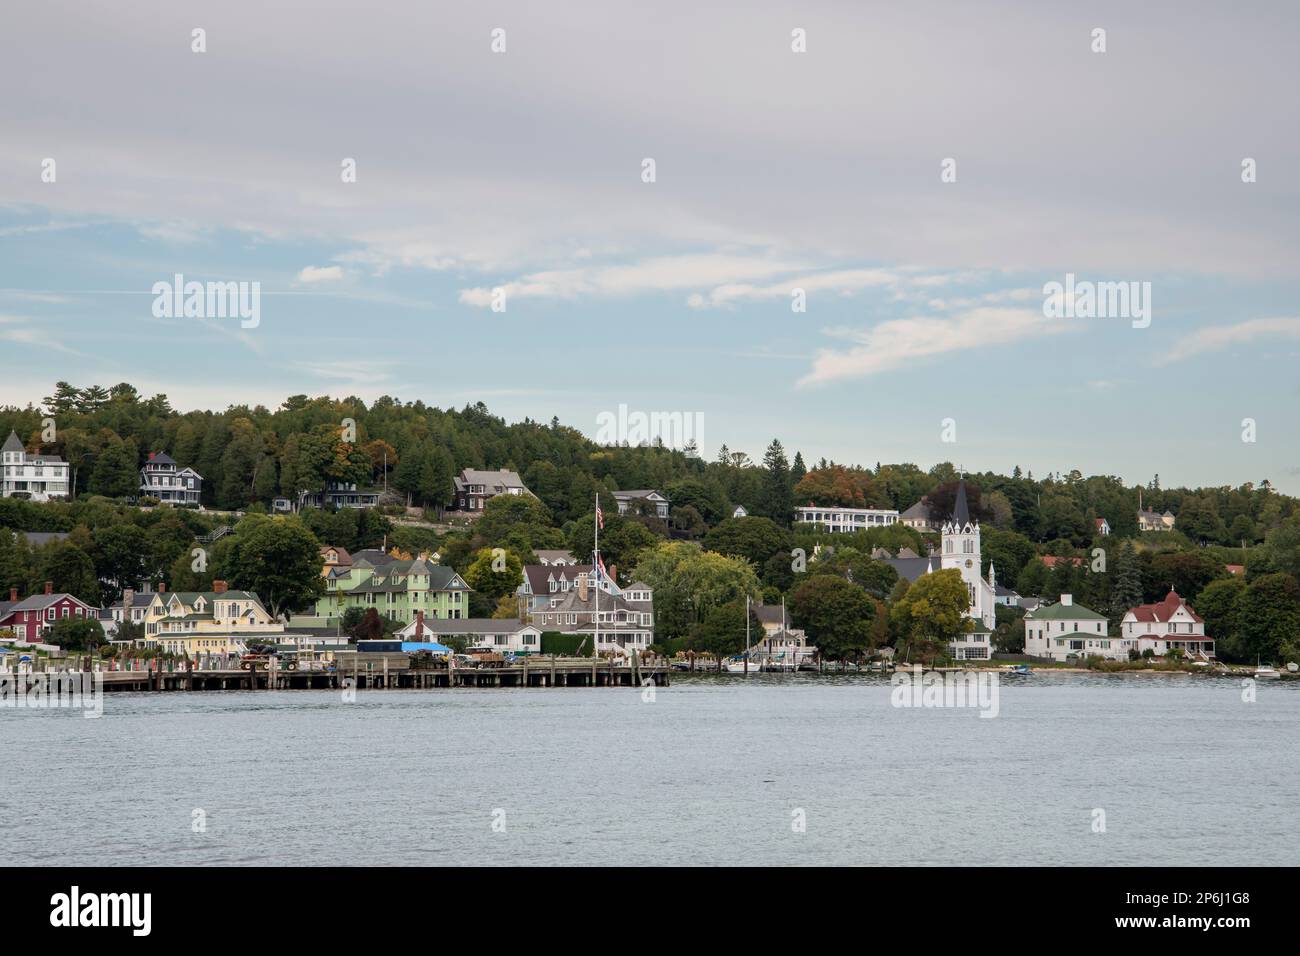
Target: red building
32, 618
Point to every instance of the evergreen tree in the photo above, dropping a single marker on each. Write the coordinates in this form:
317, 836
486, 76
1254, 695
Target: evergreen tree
776, 496
1127, 590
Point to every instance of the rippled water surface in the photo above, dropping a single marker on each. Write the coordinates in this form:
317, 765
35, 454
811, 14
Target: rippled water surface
712, 770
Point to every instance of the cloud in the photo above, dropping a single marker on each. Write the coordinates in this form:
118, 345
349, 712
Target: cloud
1220, 337
320, 274
655, 274
901, 342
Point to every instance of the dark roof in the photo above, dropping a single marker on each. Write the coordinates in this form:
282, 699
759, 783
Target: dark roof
538, 576
12, 443
913, 568
960, 512
161, 458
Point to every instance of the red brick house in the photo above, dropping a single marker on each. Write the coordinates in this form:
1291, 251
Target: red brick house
32, 618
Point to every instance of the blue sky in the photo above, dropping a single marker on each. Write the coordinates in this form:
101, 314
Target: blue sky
775, 170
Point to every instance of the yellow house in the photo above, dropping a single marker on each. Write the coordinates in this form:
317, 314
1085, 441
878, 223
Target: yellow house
219, 621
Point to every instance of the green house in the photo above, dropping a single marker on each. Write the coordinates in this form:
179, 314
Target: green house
394, 588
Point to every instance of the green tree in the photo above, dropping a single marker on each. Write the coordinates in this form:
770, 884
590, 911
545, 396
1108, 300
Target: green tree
76, 633
836, 614
931, 614
276, 558
114, 474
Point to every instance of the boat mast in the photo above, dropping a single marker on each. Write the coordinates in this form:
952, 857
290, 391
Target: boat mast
746, 633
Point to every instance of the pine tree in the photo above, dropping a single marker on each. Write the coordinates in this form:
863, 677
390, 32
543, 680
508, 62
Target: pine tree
1127, 590
776, 497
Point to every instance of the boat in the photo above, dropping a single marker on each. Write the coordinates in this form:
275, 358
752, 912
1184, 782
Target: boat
1266, 672
1017, 670
1293, 667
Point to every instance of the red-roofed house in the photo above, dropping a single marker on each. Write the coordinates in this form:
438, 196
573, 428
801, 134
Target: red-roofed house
1051, 560
1103, 526
1235, 569
1167, 626
32, 618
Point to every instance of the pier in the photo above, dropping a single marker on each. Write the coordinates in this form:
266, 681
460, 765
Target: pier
394, 671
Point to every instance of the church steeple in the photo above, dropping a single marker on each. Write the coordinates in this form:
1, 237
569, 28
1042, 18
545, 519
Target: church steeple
960, 511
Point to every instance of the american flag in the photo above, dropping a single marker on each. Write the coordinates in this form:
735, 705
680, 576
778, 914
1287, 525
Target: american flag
600, 517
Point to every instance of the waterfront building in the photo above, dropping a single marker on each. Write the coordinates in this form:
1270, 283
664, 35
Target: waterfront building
623, 622
495, 634
781, 642
396, 589
838, 519
1069, 631
32, 618
32, 477
1169, 625
165, 480
219, 621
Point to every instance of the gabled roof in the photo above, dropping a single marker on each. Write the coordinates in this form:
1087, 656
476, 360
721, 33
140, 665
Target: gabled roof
539, 576
919, 510
1164, 610
1063, 612
638, 493
39, 602
160, 458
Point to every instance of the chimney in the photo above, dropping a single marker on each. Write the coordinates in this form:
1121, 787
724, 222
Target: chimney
128, 598
219, 587
49, 587
162, 587
13, 595
1067, 599
151, 454
613, 574
582, 588
419, 623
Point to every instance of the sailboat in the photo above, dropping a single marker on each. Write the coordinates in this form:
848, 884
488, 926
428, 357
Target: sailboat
744, 665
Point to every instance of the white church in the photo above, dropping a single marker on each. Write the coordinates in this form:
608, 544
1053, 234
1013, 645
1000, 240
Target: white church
961, 550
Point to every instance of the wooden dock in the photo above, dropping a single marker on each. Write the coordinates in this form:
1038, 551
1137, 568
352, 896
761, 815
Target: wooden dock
393, 671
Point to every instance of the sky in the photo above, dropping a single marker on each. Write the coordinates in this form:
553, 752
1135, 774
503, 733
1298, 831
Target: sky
925, 335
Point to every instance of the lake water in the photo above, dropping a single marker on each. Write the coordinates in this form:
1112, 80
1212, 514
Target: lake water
714, 770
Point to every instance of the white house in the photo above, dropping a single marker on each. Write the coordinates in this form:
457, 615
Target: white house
1103, 526
479, 632
163, 479
960, 550
780, 642
1067, 630
846, 519
740, 512
34, 477
1168, 626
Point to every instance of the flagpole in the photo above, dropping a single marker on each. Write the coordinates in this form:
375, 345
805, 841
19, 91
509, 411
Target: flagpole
596, 568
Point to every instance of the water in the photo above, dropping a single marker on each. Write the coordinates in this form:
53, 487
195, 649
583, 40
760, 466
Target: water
712, 771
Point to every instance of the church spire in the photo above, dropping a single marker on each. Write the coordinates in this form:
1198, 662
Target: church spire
960, 511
